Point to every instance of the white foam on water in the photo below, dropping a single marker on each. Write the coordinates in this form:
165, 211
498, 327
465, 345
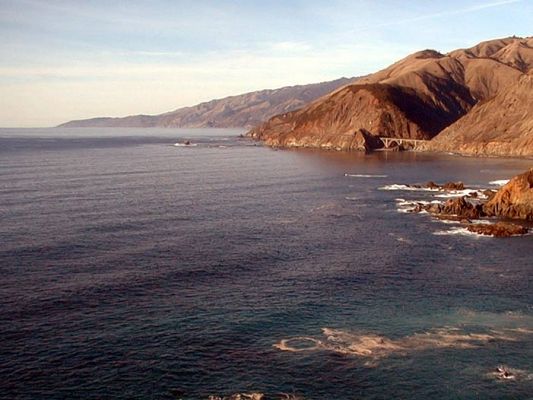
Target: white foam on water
408, 206
185, 145
446, 221
481, 221
459, 232
365, 176
506, 373
374, 346
395, 186
499, 182
457, 193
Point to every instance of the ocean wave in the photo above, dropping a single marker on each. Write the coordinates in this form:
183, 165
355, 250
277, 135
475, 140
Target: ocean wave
459, 232
460, 193
398, 187
499, 182
365, 176
462, 231
185, 145
408, 206
506, 373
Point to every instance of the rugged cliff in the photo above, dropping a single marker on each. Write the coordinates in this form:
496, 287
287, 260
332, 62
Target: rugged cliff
514, 200
419, 97
245, 110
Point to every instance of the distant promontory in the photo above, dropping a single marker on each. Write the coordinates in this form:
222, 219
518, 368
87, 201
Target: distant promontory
242, 111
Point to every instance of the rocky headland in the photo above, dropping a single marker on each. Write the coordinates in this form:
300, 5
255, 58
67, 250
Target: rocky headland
503, 213
475, 101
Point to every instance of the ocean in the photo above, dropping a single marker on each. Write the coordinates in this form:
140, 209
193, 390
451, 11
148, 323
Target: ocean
135, 269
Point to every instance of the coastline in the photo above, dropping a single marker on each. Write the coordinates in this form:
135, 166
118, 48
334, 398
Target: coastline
328, 147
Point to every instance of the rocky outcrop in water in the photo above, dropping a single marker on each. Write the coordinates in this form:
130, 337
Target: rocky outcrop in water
499, 229
256, 396
425, 95
458, 207
514, 200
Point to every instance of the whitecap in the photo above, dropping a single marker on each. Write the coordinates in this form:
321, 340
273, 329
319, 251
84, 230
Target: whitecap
365, 176
395, 186
499, 182
459, 232
506, 373
459, 193
185, 145
408, 206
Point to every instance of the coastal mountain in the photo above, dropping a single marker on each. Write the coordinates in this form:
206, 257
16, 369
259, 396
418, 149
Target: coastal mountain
246, 110
421, 96
502, 125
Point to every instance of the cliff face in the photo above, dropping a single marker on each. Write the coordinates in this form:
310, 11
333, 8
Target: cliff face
420, 96
514, 200
245, 110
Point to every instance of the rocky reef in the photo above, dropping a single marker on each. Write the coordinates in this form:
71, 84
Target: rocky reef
499, 229
483, 212
256, 396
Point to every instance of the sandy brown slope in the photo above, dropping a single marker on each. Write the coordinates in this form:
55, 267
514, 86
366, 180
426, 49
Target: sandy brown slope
244, 110
502, 125
416, 97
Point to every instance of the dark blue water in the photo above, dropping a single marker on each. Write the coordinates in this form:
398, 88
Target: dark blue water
131, 268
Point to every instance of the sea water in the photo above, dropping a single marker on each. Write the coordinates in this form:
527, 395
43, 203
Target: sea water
133, 268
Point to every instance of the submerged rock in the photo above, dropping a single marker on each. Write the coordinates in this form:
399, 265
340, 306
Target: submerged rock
453, 186
446, 186
499, 229
256, 396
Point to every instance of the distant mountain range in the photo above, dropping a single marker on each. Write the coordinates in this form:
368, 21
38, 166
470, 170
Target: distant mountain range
475, 101
246, 110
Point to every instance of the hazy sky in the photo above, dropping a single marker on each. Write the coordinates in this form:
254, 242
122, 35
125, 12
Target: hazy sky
62, 60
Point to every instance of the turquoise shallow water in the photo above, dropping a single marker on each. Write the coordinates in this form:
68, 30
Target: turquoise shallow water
132, 268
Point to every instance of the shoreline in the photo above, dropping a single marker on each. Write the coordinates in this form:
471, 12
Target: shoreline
391, 150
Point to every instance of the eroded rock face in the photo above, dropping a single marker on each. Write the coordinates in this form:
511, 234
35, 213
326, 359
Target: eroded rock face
499, 229
514, 200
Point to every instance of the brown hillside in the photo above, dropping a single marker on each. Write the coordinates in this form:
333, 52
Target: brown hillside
244, 110
502, 125
417, 97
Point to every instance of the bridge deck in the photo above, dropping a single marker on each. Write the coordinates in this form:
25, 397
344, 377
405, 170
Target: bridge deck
388, 141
